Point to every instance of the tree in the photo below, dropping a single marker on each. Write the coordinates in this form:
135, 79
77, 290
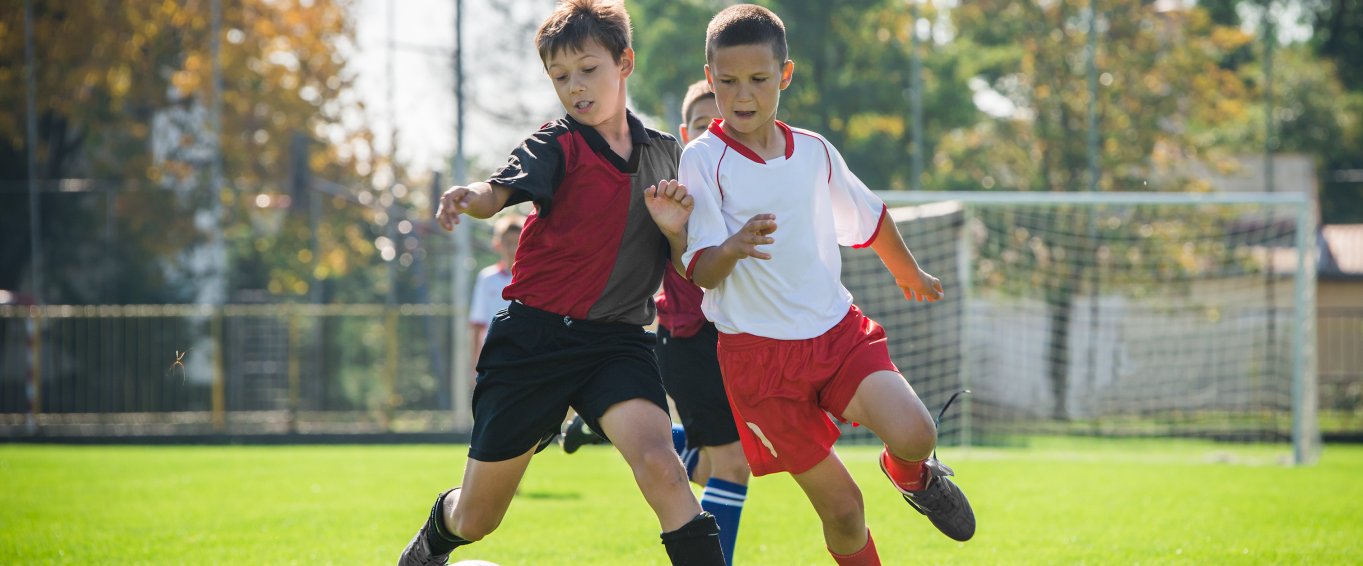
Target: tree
1338, 27
851, 75
98, 99
1161, 83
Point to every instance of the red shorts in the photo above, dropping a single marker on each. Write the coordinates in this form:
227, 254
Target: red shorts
782, 391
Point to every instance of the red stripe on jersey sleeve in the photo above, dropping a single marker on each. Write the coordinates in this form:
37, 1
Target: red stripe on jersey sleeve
884, 209
691, 267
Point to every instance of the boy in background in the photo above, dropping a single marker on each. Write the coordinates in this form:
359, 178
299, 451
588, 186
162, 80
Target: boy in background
792, 346
590, 258
487, 288
690, 368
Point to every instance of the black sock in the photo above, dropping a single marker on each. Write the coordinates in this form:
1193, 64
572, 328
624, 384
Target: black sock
440, 541
695, 543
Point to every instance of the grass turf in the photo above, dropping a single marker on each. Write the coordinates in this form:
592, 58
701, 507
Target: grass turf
1055, 502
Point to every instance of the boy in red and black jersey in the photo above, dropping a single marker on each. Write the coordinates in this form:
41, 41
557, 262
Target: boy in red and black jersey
589, 259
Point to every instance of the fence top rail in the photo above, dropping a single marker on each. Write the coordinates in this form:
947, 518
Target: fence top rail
1061, 198
230, 311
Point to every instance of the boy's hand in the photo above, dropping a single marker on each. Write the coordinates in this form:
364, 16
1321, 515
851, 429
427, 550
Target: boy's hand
921, 287
669, 205
454, 202
756, 232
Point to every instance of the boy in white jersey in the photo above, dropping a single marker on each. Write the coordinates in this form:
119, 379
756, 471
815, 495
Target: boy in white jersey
487, 288
792, 346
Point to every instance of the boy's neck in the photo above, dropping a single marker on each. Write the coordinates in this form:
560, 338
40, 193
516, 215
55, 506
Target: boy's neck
616, 133
768, 141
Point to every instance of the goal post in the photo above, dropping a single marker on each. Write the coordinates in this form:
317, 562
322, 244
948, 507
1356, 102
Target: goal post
1108, 314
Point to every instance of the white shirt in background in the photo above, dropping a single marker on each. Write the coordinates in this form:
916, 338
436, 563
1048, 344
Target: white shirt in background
487, 295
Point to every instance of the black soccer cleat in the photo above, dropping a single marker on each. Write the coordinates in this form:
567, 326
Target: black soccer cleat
419, 551
941, 501
577, 434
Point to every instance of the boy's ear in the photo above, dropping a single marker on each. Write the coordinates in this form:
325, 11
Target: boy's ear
681, 129
787, 73
627, 62
708, 79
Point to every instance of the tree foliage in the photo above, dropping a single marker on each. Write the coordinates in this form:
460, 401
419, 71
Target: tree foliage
104, 70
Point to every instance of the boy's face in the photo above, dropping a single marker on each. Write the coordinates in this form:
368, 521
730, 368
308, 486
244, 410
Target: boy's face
698, 118
506, 244
589, 83
748, 80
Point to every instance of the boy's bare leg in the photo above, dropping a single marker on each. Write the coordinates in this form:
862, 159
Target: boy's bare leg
725, 462
641, 431
701, 473
886, 405
837, 500
477, 508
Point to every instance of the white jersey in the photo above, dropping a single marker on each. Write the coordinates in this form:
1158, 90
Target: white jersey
487, 294
819, 204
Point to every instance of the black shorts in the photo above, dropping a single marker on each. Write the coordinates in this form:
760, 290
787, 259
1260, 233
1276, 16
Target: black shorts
691, 374
535, 364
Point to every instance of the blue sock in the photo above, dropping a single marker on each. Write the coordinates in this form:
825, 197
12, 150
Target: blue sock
724, 500
689, 456
678, 438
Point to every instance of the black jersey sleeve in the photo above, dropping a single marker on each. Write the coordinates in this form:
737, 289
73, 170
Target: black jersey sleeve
534, 169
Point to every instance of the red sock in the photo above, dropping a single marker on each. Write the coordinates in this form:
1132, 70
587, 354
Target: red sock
909, 475
865, 557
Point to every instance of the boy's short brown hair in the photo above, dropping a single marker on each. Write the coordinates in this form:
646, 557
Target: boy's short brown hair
698, 91
575, 22
507, 223
746, 24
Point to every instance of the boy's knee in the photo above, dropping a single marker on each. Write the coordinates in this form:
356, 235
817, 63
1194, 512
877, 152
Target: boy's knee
916, 442
659, 462
729, 464
847, 515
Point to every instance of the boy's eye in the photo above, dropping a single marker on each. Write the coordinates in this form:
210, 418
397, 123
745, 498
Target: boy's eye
726, 81
589, 70
560, 78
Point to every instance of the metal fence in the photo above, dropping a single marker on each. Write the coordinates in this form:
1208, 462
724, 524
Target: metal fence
324, 369
1340, 372
238, 369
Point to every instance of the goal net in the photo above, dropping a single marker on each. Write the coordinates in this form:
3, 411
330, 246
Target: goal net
1106, 314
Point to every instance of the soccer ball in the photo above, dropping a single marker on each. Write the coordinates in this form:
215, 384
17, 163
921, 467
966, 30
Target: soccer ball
473, 563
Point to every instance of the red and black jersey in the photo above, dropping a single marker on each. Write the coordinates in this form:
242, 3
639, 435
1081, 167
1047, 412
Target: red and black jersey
590, 250
679, 305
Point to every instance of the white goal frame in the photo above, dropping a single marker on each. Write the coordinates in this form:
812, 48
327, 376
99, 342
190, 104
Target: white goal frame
1305, 428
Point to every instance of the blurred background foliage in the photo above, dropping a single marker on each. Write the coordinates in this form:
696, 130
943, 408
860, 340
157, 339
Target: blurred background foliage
1005, 88
310, 211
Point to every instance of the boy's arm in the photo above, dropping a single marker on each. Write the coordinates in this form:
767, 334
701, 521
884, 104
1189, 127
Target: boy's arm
479, 200
918, 285
711, 265
670, 206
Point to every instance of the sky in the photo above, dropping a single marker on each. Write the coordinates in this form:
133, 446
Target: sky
420, 83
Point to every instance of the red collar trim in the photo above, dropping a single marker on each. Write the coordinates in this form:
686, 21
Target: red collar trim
718, 131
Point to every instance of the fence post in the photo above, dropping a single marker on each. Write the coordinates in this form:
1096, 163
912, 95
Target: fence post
35, 367
390, 367
219, 399
294, 385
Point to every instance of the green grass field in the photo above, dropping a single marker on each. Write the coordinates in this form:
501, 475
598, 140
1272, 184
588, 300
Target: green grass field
1056, 502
